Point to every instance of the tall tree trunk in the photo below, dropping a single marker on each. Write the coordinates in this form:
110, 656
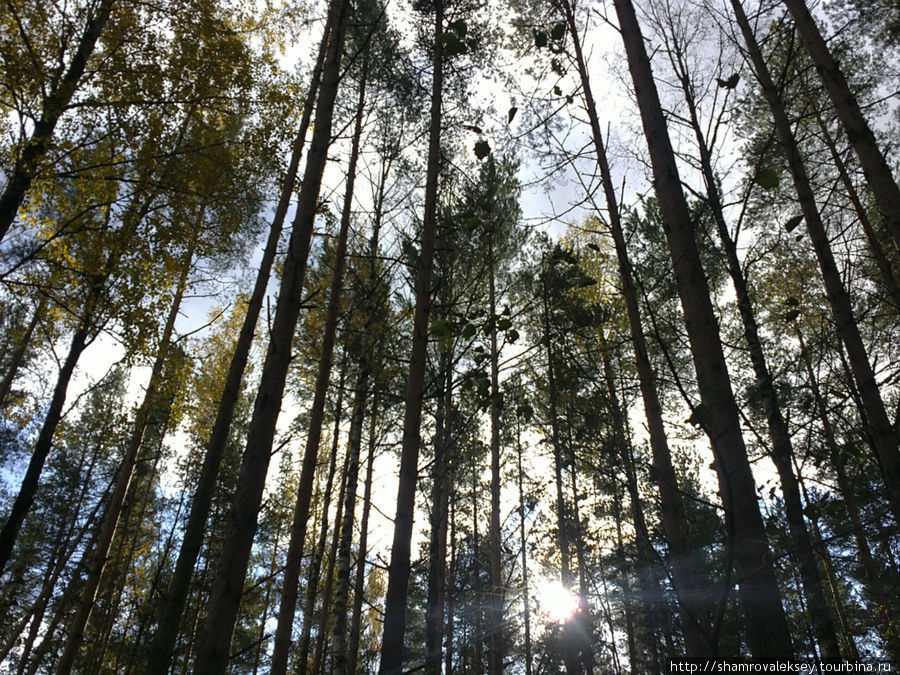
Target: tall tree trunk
888, 273
768, 630
874, 165
21, 349
883, 436
359, 583
314, 569
782, 451
688, 587
399, 569
325, 623
885, 608
440, 494
570, 656
496, 598
523, 542
311, 452
171, 611
97, 558
215, 635
33, 151
81, 337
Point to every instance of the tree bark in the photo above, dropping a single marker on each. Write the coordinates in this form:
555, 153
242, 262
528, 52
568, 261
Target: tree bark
688, 587
883, 436
782, 451
215, 636
768, 631
874, 165
163, 643
323, 377
399, 569
495, 604
28, 160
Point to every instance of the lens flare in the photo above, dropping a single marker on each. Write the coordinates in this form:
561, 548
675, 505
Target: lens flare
555, 602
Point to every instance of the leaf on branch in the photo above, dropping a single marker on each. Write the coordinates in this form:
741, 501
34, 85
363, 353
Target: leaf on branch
793, 223
511, 114
540, 39
452, 44
482, 149
442, 328
459, 27
558, 32
471, 127
730, 83
791, 315
767, 178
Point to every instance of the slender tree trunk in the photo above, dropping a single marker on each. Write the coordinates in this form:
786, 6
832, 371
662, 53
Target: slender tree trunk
304, 491
782, 450
495, 605
448, 631
399, 569
768, 630
688, 586
885, 609
33, 151
314, 570
849, 644
523, 542
883, 435
25, 497
359, 584
163, 643
440, 494
325, 622
874, 165
570, 656
215, 635
888, 273
18, 355
97, 558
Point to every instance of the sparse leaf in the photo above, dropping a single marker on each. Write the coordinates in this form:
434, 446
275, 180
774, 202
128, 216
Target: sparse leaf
793, 222
482, 149
767, 178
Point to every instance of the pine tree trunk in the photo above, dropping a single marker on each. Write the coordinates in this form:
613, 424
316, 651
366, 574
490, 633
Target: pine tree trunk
359, 583
888, 273
523, 542
97, 558
18, 355
314, 569
163, 643
213, 648
875, 167
883, 436
323, 377
399, 569
28, 489
33, 151
440, 493
767, 628
782, 451
692, 603
496, 598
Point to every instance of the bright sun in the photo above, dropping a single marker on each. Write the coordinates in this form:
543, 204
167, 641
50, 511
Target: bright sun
555, 602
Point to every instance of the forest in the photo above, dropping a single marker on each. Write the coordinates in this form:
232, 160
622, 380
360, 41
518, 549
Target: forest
448, 336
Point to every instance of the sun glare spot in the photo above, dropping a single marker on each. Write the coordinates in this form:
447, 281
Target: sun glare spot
555, 602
